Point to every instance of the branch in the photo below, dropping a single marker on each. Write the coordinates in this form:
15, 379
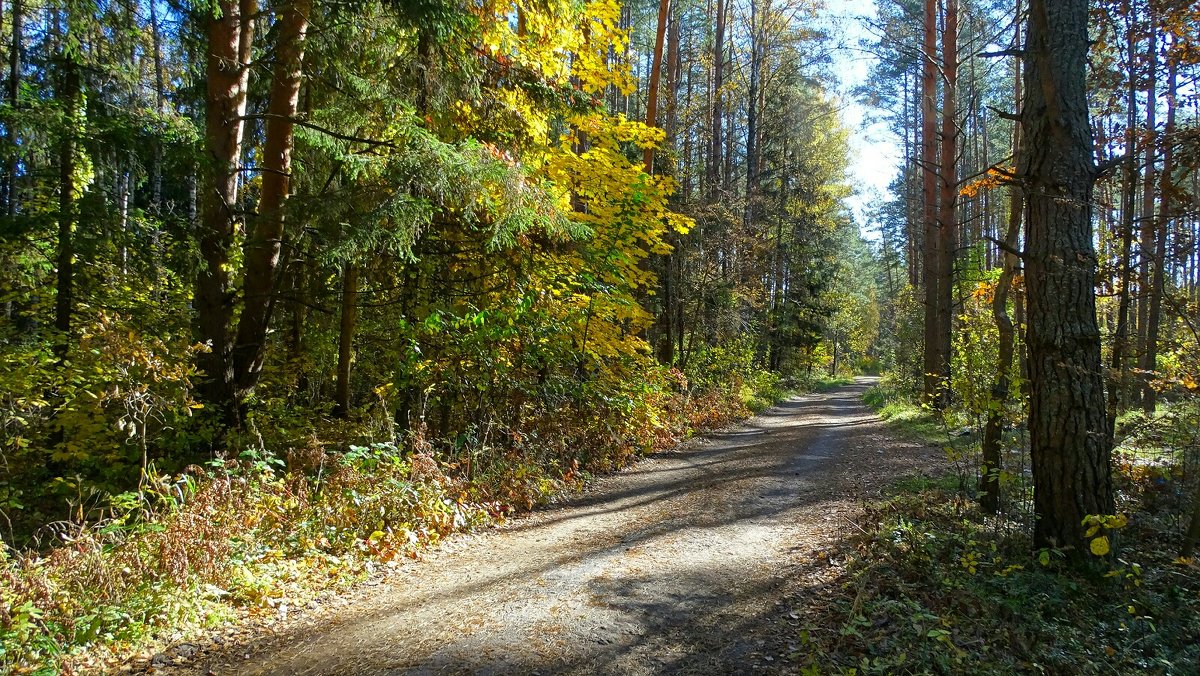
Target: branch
1019, 53
323, 130
1110, 164
1006, 247
1015, 117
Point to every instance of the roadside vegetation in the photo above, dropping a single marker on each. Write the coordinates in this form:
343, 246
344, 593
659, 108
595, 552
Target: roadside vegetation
257, 534
929, 579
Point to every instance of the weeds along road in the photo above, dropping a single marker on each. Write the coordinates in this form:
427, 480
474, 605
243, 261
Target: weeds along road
684, 563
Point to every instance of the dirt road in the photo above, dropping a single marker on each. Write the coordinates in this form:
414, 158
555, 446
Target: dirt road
684, 563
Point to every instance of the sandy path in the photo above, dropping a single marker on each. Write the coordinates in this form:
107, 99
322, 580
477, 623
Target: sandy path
679, 564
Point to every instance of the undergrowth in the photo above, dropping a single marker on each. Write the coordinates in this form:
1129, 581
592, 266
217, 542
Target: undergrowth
260, 533
932, 585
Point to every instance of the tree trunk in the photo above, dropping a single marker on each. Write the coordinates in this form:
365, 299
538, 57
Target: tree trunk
264, 243
1193, 531
1120, 348
14, 92
666, 318
933, 358
1068, 425
993, 431
159, 105
947, 239
752, 109
1146, 217
346, 339
1158, 279
65, 297
718, 113
230, 36
664, 8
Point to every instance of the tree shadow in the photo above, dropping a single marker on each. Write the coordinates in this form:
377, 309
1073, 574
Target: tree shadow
701, 618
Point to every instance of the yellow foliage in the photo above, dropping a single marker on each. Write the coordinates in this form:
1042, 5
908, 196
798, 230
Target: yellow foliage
992, 179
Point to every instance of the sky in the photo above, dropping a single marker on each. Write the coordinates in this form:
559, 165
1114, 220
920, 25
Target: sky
875, 152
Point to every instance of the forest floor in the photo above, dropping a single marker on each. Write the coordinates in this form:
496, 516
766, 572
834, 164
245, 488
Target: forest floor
704, 559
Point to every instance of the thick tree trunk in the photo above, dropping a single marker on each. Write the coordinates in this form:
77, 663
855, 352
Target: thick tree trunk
1068, 425
933, 358
265, 242
230, 36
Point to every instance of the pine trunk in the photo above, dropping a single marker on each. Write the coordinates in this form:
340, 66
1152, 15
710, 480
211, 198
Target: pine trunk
1068, 425
230, 36
929, 191
1158, 278
947, 240
264, 244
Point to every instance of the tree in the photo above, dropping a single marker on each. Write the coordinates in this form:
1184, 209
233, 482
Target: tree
937, 359
230, 39
989, 479
1068, 426
263, 246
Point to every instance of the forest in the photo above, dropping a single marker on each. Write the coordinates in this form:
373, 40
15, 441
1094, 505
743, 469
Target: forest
294, 290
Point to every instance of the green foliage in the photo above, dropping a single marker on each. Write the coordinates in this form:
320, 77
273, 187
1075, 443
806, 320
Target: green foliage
471, 245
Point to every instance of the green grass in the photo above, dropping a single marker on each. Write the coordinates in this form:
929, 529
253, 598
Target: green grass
920, 483
824, 383
907, 418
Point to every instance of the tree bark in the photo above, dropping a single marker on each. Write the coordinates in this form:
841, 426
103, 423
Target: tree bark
752, 110
1146, 217
932, 356
349, 315
264, 243
1068, 427
664, 8
947, 240
65, 294
230, 36
666, 318
159, 105
718, 113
